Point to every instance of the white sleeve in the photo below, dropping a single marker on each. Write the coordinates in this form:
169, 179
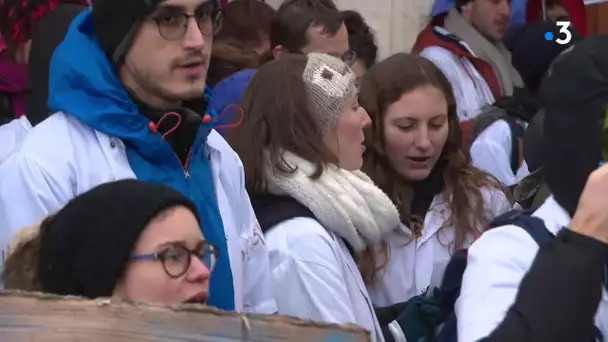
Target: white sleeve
12, 134
309, 284
491, 152
257, 296
496, 264
27, 194
464, 88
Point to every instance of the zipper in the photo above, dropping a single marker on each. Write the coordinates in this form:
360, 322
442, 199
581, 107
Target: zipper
186, 164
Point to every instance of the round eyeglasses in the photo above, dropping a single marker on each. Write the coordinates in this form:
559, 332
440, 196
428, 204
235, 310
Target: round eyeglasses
173, 26
176, 259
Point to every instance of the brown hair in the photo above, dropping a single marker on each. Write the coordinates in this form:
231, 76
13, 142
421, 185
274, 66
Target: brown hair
229, 57
278, 118
20, 271
383, 85
294, 17
247, 21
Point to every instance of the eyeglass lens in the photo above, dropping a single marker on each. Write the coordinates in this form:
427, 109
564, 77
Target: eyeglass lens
175, 25
177, 259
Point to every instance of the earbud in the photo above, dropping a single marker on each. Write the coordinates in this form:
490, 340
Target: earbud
153, 127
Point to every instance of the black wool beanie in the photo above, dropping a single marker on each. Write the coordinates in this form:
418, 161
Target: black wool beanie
532, 54
576, 95
115, 23
86, 246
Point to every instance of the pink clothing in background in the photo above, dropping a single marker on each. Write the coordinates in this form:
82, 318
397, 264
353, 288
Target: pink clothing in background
13, 82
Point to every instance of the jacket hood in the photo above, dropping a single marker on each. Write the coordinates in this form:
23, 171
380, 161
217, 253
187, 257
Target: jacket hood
51, 31
576, 96
89, 89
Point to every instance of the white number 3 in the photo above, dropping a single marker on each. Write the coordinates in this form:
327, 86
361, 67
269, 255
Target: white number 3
563, 30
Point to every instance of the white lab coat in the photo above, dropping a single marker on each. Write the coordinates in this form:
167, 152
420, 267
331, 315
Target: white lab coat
11, 135
61, 158
497, 262
416, 265
470, 89
491, 152
315, 277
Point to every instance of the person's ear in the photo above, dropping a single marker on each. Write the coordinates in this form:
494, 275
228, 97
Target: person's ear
465, 10
279, 51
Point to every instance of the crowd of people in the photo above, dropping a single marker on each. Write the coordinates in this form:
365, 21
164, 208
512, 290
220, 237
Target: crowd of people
265, 161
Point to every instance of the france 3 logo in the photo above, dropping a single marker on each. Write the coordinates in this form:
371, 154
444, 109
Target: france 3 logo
564, 37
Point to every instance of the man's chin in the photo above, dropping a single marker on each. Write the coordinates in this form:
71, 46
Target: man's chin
187, 92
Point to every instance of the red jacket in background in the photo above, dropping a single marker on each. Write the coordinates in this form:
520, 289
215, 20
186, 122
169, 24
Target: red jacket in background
576, 9
431, 37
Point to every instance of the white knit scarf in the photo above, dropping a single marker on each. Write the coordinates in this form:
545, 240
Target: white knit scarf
346, 203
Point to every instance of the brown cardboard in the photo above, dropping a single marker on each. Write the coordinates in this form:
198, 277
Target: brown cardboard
34, 317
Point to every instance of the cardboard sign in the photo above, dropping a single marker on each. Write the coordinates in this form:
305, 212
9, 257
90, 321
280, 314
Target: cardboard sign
32, 317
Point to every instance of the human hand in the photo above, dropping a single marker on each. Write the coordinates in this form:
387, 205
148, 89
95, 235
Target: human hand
591, 217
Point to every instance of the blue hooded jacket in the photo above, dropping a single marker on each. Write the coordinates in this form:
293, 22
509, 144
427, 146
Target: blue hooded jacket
83, 83
229, 91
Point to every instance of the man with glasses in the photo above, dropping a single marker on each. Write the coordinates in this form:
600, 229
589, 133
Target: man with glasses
128, 82
300, 26
304, 26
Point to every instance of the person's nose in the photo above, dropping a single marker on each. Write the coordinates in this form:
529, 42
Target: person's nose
423, 141
365, 119
505, 8
194, 38
198, 271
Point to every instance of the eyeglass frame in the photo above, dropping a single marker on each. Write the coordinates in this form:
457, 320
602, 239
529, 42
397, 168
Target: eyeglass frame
216, 16
206, 247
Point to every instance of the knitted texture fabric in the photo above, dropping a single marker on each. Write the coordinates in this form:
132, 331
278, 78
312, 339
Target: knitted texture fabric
86, 246
330, 84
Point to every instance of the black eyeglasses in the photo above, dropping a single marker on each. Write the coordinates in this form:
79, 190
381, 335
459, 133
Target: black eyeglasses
176, 259
173, 26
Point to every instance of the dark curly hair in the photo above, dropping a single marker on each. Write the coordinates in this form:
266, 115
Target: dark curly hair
361, 38
247, 21
19, 18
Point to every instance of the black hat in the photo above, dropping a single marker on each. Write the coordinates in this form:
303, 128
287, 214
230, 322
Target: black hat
115, 23
576, 95
85, 247
532, 54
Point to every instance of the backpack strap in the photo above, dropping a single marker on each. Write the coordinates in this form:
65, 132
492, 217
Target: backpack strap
531, 224
271, 210
517, 136
282, 209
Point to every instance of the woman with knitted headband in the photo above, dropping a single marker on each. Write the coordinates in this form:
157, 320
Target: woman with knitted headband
301, 144
142, 242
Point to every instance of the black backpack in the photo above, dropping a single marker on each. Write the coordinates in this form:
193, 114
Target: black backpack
452, 278
271, 210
